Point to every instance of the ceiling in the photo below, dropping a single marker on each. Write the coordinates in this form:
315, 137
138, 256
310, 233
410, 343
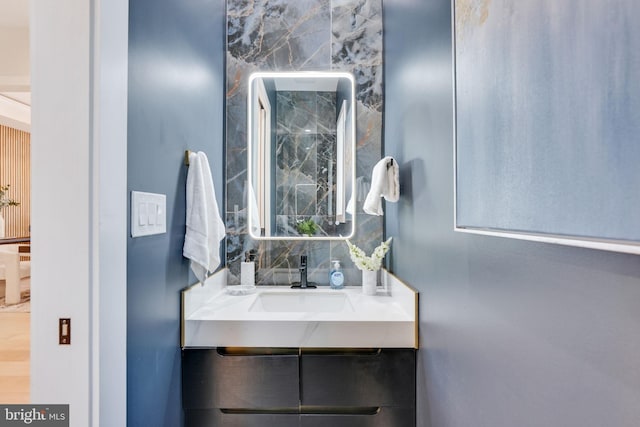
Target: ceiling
14, 13
14, 106
21, 97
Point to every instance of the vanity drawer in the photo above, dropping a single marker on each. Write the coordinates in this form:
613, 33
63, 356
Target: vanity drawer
364, 378
217, 417
385, 417
219, 378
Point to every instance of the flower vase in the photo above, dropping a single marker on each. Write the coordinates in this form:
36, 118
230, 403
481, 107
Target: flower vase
369, 281
1, 226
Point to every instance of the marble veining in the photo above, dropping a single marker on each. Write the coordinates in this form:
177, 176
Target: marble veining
305, 146
284, 35
356, 46
279, 34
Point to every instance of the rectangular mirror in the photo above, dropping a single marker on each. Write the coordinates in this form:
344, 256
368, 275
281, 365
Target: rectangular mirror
301, 155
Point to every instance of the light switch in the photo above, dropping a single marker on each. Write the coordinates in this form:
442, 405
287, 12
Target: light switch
159, 215
148, 213
142, 214
152, 207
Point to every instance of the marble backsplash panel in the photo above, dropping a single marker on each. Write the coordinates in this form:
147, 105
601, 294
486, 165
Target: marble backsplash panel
285, 35
305, 145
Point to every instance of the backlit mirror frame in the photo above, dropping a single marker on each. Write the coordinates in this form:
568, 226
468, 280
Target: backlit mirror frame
258, 160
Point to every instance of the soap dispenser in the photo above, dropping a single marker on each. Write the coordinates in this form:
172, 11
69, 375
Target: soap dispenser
248, 271
336, 278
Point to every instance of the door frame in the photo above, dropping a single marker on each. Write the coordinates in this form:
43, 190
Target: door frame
79, 54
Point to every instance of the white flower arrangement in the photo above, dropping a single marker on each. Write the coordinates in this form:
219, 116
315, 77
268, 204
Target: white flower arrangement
373, 262
4, 199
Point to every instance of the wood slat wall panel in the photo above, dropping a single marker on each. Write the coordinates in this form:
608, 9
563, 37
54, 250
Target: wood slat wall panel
15, 170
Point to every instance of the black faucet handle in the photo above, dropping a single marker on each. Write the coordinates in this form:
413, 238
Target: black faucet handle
303, 284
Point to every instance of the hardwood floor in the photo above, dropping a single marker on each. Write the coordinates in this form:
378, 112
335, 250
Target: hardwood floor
14, 357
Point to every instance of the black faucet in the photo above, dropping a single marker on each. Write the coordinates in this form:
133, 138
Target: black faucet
304, 284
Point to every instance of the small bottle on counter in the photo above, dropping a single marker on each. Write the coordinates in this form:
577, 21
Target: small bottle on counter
248, 269
253, 257
336, 278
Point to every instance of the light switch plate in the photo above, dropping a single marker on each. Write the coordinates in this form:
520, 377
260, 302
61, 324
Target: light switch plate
148, 212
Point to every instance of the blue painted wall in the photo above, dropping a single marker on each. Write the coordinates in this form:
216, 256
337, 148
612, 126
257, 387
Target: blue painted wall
176, 102
513, 333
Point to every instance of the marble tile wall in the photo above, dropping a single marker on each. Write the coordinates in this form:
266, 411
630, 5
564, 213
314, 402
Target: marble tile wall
285, 35
305, 145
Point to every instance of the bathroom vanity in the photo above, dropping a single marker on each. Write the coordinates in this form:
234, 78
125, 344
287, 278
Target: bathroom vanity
283, 357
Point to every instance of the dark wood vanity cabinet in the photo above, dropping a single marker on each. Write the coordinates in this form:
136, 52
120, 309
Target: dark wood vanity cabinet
299, 387
362, 378
384, 417
218, 417
214, 378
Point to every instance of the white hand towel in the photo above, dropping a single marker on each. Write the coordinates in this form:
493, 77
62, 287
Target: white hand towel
385, 182
362, 189
256, 227
205, 228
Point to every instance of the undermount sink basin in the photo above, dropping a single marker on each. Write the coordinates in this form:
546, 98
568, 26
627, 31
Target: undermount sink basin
303, 301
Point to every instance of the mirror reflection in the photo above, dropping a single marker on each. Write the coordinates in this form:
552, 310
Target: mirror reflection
301, 155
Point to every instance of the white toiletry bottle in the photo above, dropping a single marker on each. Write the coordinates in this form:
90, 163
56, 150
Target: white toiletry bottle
248, 270
336, 278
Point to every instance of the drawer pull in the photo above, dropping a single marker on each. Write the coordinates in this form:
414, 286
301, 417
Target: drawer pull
264, 411
256, 351
341, 351
339, 410
305, 410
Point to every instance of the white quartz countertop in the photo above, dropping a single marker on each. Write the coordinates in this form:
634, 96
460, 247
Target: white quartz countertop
278, 316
